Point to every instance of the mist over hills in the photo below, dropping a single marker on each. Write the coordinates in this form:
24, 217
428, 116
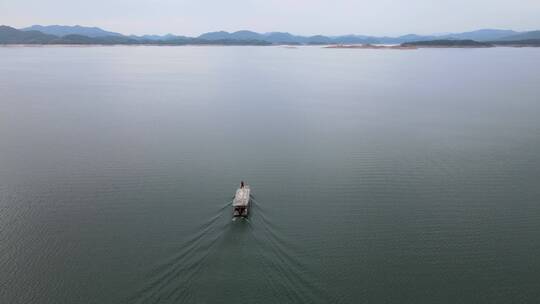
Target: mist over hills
533, 35
9, 35
284, 37
58, 34
480, 35
63, 30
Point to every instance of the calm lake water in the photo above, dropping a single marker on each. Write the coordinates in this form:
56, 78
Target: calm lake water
378, 176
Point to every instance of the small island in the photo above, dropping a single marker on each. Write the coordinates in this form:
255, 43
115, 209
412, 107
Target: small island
372, 47
448, 44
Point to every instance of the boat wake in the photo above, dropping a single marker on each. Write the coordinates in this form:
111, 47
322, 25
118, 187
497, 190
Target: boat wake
171, 278
223, 255
290, 277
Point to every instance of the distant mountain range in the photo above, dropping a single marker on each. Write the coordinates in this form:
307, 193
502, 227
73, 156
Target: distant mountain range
63, 30
10, 35
276, 37
61, 34
522, 36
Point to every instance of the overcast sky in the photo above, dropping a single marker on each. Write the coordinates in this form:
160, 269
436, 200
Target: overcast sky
330, 17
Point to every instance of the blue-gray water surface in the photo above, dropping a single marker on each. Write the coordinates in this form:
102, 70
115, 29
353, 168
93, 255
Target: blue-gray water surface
378, 176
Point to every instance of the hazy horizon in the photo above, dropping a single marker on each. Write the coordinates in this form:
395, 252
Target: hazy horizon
260, 32
377, 18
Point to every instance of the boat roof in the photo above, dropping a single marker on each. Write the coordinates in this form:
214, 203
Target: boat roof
242, 197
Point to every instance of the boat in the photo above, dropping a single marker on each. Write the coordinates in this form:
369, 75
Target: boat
241, 201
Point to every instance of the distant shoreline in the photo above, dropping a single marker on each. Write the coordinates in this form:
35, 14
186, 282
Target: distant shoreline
84, 36
370, 47
330, 46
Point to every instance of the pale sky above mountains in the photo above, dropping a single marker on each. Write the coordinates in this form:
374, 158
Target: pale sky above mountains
328, 17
